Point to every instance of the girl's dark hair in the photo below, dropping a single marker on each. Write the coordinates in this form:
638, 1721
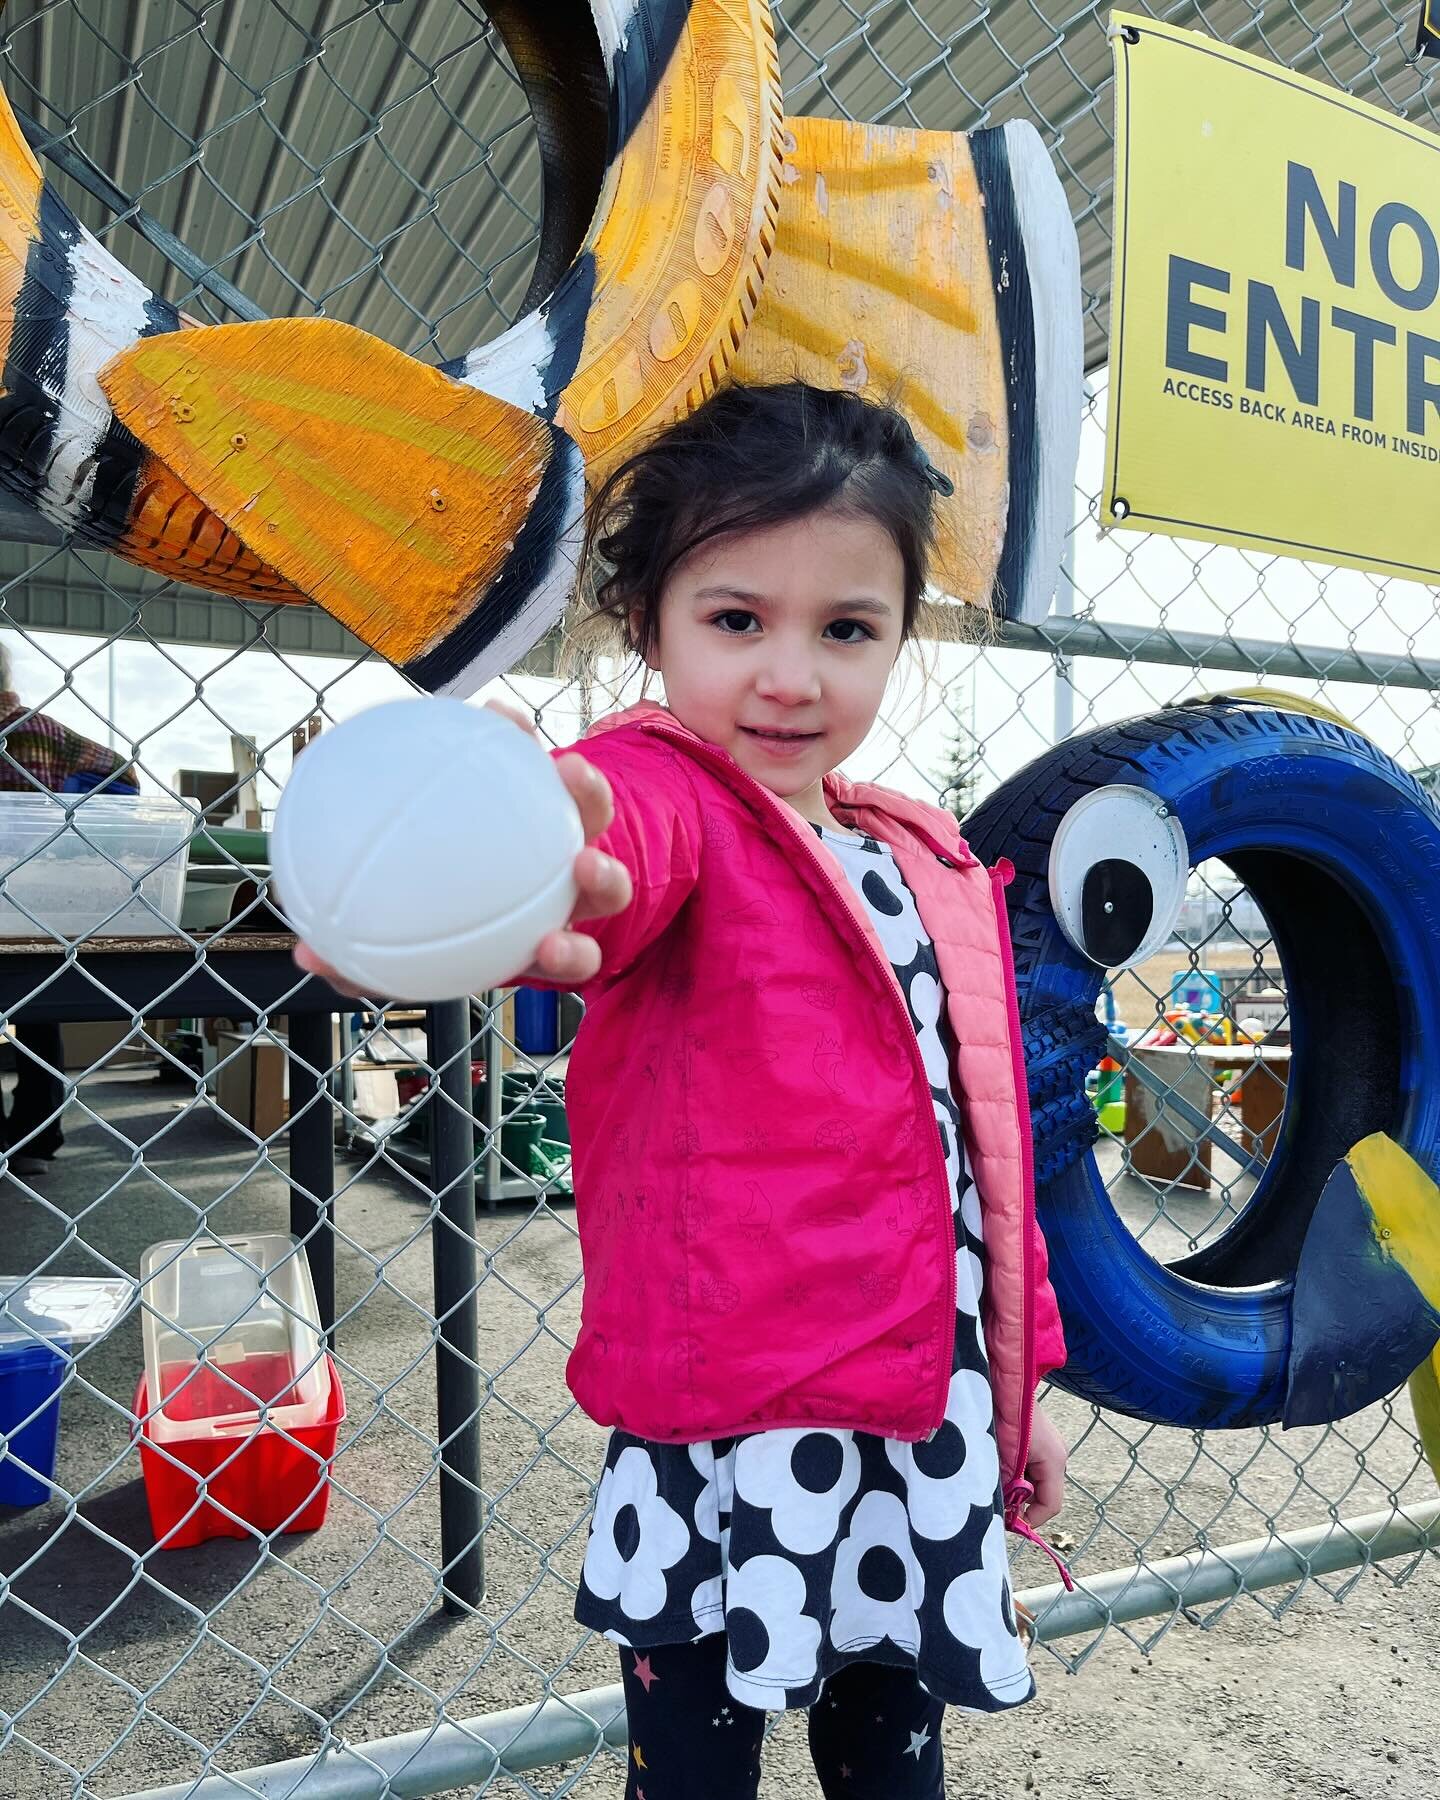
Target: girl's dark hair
747, 458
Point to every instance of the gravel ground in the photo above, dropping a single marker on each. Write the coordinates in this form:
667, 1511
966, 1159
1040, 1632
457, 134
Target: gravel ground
127, 1664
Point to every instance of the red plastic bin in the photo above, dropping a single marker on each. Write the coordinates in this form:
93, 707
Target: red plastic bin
271, 1481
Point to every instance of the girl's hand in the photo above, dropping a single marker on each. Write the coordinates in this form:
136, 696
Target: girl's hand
1045, 1470
604, 884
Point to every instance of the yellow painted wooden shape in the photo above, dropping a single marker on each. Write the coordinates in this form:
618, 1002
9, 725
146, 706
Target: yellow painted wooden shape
380, 488
683, 234
880, 283
1425, 1398
1284, 701
20, 183
1404, 1204
173, 532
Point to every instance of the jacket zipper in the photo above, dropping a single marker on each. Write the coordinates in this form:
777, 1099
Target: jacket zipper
733, 771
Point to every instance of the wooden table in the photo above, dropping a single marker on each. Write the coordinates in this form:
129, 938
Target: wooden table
1182, 1093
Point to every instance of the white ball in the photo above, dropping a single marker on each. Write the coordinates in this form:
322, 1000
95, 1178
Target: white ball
425, 847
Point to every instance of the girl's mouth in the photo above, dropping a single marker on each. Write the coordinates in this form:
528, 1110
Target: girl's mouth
782, 743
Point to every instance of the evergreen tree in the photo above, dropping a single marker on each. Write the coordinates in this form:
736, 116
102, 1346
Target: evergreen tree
960, 777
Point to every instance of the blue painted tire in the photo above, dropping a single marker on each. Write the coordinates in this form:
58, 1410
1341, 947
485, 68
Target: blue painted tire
1341, 849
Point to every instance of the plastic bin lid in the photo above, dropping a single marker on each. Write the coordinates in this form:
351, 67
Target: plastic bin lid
211, 1299
66, 1310
207, 1285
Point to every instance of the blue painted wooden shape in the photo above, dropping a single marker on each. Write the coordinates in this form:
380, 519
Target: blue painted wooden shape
1365, 1310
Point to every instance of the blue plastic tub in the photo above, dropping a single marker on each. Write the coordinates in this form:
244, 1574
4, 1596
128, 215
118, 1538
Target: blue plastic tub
30, 1379
537, 1021
1199, 989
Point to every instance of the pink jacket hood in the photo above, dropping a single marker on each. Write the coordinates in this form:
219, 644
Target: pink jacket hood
760, 1184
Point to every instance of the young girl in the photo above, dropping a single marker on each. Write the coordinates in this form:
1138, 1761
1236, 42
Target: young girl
816, 1307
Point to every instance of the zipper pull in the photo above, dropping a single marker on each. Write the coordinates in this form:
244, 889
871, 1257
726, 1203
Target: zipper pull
1028, 1531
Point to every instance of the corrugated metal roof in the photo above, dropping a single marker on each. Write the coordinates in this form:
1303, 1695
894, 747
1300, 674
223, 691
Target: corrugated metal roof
373, 159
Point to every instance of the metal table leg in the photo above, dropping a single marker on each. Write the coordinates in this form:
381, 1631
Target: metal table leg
491, 1176
312, 1155
457, 1373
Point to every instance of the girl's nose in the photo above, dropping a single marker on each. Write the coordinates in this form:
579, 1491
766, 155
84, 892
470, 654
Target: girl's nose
789, 681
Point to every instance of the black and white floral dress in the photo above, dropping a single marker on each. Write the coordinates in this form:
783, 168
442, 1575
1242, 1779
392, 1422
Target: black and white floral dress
812, 1549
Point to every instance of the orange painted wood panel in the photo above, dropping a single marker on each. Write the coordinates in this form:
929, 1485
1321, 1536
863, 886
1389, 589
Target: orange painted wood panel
174, 533
376, 486
20, 184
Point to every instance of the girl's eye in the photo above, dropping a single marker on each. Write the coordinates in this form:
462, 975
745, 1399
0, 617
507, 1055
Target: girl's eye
735, 623
726, 621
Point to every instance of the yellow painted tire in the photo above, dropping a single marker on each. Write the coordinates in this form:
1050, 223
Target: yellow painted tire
644, 321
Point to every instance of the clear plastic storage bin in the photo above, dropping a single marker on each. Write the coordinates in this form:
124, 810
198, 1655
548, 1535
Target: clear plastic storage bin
231, 1331
69, 861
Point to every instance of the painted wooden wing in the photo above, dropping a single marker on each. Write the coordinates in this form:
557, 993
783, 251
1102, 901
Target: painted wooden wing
437, 523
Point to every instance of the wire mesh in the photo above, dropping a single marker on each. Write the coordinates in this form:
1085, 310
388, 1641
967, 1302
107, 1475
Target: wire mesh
375, 162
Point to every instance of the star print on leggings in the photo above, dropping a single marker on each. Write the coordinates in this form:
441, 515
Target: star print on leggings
640, 1762
918, 1741
644, 1674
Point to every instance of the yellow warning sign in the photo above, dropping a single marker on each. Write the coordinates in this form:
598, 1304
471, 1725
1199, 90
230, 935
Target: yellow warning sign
1275, 322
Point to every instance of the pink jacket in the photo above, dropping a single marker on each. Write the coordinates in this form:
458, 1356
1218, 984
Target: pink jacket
760, 1187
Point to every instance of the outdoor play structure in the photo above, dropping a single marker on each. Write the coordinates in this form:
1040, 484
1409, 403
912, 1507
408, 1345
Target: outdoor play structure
1322, 1295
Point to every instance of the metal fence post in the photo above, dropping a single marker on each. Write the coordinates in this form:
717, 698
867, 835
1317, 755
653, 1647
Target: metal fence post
457, 1373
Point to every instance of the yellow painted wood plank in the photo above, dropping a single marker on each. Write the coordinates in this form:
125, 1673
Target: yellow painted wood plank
1425, 1398
1404, 1204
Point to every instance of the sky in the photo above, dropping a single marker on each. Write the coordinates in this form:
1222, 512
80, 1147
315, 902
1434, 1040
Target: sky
183, 702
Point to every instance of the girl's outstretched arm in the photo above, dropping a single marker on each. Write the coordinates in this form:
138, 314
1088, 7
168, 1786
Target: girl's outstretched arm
654, 834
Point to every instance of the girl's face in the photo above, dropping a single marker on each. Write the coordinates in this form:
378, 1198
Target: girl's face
777, 644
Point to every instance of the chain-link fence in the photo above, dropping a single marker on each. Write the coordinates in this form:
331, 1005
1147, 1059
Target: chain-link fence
374, 160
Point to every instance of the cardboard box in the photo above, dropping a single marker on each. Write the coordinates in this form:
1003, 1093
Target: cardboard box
253, 1087
85, 1042
1263, 1090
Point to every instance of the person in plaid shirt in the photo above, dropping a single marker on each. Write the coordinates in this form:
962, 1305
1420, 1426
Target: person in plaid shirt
40, 752
37, 753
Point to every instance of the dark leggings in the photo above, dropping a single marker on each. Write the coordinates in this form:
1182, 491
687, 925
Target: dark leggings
874, 1731
39, 1095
